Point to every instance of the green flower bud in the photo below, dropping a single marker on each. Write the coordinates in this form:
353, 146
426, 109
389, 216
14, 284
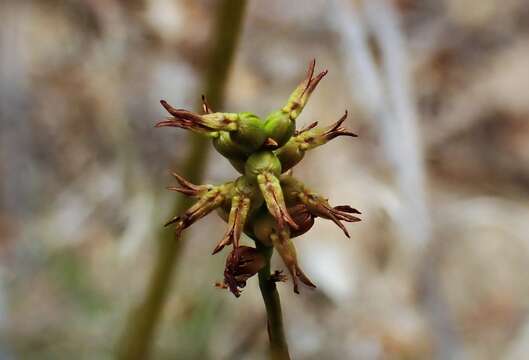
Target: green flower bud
261, 162
250, 133
290, 154
229, 148
279, 127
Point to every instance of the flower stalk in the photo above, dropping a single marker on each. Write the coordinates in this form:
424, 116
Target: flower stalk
274, 315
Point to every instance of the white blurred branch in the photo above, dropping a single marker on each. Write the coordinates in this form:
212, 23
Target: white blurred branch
385, 93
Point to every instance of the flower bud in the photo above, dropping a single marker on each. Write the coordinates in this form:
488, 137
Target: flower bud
240, 143
228, 148
250, 133
279, 127
261, 162
290, 154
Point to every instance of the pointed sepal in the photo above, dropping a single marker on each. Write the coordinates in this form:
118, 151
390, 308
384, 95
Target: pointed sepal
209, 201
188, 188
207, 124
286, 249
296, 192
298, 99
275, 202
308, 138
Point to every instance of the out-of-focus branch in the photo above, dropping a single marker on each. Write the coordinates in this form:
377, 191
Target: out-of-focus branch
142, 322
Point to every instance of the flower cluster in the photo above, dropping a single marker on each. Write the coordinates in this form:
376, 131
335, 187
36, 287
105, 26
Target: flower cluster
266, 202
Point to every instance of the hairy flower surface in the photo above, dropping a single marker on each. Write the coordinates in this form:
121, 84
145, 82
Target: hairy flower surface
266, 202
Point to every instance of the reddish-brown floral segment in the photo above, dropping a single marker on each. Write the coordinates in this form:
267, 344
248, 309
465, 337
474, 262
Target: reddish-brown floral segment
267, 203
207, 123
242, 263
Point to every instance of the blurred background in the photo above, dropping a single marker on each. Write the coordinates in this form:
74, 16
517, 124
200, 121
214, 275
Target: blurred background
437, 91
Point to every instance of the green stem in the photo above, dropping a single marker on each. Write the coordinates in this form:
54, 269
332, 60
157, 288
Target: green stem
143, 320
276, 332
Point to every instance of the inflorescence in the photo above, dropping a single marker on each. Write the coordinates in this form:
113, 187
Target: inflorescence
266, 202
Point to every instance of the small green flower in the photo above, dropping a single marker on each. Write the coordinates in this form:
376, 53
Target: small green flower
267, 203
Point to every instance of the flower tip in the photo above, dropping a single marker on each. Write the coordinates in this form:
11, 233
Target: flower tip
217, 249
205, 105
172, 221
167, 122
348, 209
171, 110
310, 70
304, 279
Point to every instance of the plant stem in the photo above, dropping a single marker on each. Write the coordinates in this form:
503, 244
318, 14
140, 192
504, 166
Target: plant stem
141, 325
276, 332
